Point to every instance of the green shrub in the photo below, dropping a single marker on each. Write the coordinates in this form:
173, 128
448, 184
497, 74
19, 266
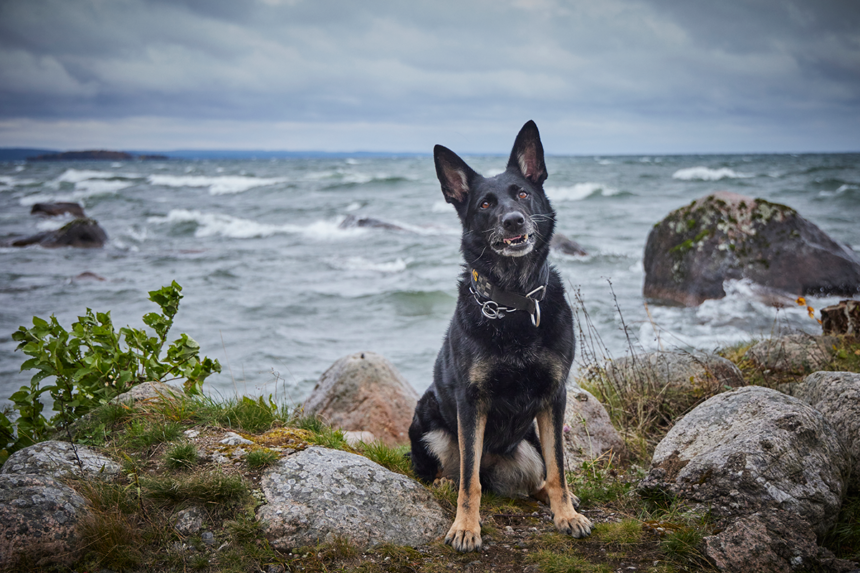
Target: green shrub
93, 363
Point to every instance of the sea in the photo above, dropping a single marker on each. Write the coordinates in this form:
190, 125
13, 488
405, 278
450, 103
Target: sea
277, 287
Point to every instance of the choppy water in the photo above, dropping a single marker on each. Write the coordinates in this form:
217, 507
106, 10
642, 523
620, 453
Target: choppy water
277, 291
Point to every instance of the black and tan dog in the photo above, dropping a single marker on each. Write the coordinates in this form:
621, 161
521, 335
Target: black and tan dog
507, 353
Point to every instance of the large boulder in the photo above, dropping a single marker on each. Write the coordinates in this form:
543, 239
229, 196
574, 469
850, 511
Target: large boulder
38, 519
588, 432
319, 494
60, 459
363, 392
698, 373
837, 396
770, 541
80, 233
842, 318
723, 236
753, 449
796, 353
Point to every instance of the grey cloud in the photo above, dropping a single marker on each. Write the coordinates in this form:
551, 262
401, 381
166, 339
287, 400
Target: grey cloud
628, 61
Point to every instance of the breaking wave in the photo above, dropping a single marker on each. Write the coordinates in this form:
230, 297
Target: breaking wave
223, 185
580, 191
707, 174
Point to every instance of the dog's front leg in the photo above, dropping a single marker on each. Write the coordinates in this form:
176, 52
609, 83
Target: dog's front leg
465, 533
567, 520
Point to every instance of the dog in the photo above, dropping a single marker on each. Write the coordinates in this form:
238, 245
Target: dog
507, 353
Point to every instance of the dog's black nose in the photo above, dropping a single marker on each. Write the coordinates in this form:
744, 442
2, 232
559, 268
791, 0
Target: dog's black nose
513, 221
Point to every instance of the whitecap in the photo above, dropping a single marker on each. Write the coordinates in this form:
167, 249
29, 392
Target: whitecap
222, 185
83, 190
217, 224
78, 175
353, 207
844, 188
701, 173
441, 207
579, 191
362, 264
493, 172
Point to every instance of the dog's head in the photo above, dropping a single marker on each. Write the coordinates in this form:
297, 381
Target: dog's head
507, 215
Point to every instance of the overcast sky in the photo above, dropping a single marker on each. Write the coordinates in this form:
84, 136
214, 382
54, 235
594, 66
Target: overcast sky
598, 77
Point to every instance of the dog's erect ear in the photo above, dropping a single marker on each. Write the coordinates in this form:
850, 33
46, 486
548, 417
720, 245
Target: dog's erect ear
527, 155
455, 176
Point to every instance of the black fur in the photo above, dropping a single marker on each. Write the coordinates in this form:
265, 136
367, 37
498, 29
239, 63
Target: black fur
525, 367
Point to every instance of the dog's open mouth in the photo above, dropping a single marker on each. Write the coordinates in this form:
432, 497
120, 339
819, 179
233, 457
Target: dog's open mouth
516, 240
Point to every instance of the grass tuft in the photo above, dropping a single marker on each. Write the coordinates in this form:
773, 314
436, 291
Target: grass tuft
211, 487
261, 458
392, 458
622, 532
181, 456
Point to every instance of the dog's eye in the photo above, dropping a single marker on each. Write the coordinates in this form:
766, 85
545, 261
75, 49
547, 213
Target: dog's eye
522, 194
485, 205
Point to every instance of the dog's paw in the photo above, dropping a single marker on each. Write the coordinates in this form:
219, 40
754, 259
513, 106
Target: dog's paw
463, 539
574, 524
443, 482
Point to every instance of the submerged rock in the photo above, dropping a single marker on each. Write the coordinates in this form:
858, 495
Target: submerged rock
837, 396
319, 494
567, 246
57, 209
58, 459
38, 522
80, 233
352, 221
724, 236
752, 449
588, 432
363, 392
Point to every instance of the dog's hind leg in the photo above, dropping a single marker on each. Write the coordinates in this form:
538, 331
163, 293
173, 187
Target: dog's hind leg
465, 533
565, 517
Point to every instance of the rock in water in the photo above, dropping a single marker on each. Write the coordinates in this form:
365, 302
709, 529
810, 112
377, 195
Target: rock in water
752, 449
588, 431
80, 233
566, 245
57, 209
319, 494
837, 396
38, 519
59, 459
723, 236
363, 392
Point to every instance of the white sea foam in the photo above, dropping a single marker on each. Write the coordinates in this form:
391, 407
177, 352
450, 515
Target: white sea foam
441, 207
701, 173
217, 224
353, 207
579, 191
222, 185
7, 181
83, 190
362, 264
78, 175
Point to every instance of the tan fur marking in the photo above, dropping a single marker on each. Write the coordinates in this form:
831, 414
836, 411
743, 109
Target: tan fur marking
465, 533
565, 517
479, 372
